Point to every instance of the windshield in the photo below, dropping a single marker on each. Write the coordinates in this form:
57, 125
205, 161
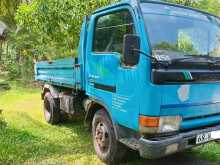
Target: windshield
178, 31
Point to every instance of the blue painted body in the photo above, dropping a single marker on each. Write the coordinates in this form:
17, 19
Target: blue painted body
135, 93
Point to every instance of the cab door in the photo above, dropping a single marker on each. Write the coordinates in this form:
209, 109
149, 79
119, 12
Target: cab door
107, 79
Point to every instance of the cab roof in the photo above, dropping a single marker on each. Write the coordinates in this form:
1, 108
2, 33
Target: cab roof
128, 2
123, 2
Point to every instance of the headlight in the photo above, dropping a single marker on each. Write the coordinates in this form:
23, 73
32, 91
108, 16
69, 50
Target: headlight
163, 124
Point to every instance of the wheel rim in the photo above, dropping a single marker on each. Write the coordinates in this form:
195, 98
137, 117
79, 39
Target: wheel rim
47, 110
102, 137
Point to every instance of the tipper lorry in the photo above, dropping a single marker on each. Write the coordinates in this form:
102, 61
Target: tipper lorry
146, 77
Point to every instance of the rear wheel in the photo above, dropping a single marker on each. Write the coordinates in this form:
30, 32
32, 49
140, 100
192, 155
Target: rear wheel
108, 149
51, 109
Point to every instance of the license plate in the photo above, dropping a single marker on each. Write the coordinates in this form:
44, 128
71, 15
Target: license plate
206, 137
203, 138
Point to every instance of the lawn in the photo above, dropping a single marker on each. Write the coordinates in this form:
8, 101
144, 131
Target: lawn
25, 138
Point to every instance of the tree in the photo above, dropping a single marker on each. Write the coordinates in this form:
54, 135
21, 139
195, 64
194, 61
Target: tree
8, 9
56, 22
211, 6
191, 3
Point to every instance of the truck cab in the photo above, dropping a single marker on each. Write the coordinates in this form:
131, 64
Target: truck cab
147, 75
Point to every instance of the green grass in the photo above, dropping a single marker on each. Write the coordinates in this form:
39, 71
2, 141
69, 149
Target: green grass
25, 138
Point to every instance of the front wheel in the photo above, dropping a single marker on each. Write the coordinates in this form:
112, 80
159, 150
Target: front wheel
107, 148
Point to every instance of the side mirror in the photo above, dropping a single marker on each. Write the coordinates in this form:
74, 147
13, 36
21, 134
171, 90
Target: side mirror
129, 56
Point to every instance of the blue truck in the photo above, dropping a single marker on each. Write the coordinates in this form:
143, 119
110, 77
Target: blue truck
147, 77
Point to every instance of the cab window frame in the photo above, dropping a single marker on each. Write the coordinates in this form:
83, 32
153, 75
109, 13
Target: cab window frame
106, 14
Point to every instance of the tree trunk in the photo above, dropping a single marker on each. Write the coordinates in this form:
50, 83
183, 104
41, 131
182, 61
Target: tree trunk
1, 50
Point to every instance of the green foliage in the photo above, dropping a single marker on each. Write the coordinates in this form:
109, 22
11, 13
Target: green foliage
12, 69
185, 44
56, 23
7, 15
192, 3
8, 10
41, 29
211, 6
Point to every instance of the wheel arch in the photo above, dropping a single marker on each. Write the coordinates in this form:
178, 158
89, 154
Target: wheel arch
93, 105
50, 88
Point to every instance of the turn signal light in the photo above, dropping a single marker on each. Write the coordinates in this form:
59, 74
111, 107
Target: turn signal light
145, 121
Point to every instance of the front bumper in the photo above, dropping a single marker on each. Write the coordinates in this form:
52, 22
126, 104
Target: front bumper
153, 149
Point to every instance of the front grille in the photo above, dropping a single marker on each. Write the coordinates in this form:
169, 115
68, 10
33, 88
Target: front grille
200, 117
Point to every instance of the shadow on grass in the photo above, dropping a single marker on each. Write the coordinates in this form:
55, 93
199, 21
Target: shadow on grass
177, 159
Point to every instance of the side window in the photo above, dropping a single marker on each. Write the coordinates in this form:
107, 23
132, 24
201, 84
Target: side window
110, 30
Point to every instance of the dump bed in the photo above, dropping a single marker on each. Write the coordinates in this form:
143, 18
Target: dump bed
63, 72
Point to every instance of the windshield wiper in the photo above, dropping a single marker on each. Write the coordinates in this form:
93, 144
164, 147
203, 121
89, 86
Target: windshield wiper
197, 59
214, 63
194, 58
174, 61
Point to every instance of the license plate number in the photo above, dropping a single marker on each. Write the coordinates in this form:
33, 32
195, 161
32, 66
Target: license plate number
203, 138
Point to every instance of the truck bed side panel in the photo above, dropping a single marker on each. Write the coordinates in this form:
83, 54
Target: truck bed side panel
58, 72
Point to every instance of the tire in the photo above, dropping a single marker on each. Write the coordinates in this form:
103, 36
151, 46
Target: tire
107, 148
51, 109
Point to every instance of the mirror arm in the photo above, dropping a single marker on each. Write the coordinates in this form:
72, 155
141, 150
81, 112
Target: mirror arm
151, 57
141, 52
